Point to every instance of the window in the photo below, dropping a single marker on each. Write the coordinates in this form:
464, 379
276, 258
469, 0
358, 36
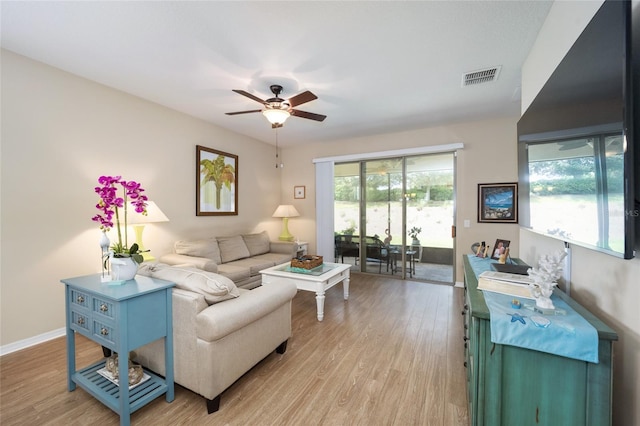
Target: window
583, 176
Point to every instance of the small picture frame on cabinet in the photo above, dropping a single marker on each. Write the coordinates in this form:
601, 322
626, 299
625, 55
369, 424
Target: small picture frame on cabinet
499, 248
299, 192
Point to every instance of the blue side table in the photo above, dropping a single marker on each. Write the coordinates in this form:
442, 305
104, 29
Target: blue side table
120, 318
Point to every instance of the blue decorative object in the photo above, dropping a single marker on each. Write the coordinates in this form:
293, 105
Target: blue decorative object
541, 322
515, 304
317, 271
305, 271
517, 317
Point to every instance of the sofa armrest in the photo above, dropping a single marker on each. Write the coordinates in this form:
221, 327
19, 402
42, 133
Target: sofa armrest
222, 319
203, 263
284, 247
186, 307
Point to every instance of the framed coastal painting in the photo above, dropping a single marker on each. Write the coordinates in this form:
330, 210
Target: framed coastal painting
498, 202
216, 182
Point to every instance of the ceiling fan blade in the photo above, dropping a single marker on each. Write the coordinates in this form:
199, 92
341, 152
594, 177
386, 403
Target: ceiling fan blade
243, 112
302, 98
309, 115
249, 95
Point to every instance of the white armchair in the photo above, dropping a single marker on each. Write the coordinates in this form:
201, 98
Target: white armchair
214, 345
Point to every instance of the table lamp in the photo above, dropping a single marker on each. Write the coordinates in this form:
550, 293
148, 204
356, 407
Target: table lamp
285, 211
154, 214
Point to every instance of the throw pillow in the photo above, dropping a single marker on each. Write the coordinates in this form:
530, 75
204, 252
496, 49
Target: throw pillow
199, 248
257, 243
214, 287
232, 248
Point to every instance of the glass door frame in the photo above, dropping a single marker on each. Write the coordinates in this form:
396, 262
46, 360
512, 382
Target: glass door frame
403, 199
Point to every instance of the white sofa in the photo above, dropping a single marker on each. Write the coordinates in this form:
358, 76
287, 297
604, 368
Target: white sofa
239, 257
219, 331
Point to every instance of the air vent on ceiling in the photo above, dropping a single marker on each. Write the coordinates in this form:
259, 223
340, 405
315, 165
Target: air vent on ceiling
486, 75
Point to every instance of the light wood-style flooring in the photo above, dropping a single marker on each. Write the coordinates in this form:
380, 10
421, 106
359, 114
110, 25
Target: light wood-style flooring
390, 355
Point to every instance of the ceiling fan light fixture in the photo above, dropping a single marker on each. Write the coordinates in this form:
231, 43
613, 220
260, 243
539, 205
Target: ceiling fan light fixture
277, 110
276, 116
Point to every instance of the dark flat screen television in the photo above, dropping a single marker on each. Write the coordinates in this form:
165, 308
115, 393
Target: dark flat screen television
576, 142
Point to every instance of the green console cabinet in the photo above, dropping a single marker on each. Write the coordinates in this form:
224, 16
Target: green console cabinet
509, 385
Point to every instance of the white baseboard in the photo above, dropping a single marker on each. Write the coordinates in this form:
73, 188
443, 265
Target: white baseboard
31, 341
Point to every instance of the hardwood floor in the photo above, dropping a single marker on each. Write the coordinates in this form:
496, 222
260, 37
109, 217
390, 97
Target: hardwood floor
390, 355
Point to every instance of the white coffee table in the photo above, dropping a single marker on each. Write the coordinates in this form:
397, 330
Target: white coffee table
318, 280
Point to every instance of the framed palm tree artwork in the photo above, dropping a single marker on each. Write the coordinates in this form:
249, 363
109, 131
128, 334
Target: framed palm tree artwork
216, 182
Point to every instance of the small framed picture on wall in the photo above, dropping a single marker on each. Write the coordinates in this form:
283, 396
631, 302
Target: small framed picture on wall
299, 192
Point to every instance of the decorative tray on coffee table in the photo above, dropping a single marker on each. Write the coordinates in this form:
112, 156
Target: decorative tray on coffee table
318, 270
308, 261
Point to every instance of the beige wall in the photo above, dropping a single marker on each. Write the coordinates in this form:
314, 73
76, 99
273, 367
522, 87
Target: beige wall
488, 156
607, 286
59, 134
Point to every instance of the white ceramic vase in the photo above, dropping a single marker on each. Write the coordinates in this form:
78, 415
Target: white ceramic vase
123, 268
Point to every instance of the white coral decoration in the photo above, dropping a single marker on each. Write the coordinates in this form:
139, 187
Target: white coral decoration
545, 278
549, 268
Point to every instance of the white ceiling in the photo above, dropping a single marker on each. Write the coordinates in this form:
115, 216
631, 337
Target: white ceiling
376, 67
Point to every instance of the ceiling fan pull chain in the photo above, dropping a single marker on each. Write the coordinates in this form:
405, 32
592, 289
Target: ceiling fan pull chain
281, 165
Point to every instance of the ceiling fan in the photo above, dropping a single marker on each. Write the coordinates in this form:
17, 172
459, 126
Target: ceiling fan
277, 110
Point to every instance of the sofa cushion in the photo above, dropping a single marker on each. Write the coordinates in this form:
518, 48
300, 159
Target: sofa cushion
254, 264
275, 258
199, 248
232, 248
235, 273
257, 243
214, 287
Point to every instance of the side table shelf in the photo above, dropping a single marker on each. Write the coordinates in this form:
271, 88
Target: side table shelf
108, 392
121, 318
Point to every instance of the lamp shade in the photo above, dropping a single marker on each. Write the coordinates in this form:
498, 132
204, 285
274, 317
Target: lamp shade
154, 214
286, 210
276, 116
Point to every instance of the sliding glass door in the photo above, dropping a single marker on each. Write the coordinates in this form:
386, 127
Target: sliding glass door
430, 212
382, 216
394, 215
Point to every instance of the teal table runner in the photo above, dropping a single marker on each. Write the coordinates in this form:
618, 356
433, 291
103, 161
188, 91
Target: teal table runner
568, 335
481, 264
